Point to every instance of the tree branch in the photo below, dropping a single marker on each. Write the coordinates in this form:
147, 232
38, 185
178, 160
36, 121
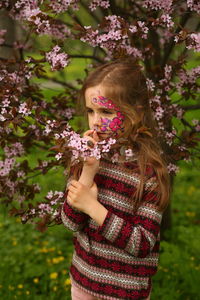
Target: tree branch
60, 82
191, 107
86, 7
170, 47
86, 56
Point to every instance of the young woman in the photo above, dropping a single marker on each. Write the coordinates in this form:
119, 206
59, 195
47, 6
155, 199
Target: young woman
115, 204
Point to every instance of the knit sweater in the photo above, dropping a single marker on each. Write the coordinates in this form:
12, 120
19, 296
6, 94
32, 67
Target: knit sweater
117, 259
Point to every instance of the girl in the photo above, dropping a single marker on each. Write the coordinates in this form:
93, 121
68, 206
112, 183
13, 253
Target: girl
115, 204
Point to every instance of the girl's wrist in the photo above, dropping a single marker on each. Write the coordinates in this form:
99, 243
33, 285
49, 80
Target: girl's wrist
87, 176
98, 213
90, 169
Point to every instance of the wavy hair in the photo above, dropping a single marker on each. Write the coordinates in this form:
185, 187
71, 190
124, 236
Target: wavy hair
124, 83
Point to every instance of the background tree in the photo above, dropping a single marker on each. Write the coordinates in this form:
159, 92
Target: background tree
162, 35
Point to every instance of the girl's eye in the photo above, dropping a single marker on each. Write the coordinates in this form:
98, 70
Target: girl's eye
107, 112
89, 111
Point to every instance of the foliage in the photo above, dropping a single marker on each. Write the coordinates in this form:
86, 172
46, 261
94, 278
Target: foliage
162, 35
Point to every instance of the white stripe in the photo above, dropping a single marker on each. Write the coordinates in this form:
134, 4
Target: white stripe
118, 173
104, 276
150, 211
121, 255
115, 200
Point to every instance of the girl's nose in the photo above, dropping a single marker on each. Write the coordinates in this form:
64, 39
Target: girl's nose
97, 120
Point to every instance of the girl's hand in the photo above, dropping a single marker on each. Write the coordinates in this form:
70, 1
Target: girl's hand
93, 138
81, 197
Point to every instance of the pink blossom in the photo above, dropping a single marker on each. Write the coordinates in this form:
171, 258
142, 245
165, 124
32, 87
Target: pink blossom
59, 6
58, 156
56, 59
167, 20
155, 99
6, 166
170, 136
150, 84
194, 5
195, 42
159, 113
128, 153
144, 29
20, 174
172, 168
24, 110
158, 4
197, 128
15, 149
99, 3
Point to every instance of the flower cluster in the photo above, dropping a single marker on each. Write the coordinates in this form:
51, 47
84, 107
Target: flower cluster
70, 143
99, 3
57, 59
194, 5
114, 36
158, 4
59, 6
194, 42
29, 10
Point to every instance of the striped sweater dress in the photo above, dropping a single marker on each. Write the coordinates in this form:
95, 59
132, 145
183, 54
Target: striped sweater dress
117, 259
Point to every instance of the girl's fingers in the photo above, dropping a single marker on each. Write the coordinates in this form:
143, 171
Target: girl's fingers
72, 189
88, 132
95, 135
74, 183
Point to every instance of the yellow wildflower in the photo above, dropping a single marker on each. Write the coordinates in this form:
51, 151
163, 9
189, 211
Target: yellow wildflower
27, 292
190, 214
44, 243
19, 293
64, 272
165, 269
55, 288
191, 190
53, 275
56, 260
36, 280
68, 281
20, 286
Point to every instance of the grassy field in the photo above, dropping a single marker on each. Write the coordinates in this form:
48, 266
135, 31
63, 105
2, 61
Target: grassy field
35, 265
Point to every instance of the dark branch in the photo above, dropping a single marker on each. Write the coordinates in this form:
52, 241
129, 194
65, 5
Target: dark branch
86, 7
86, 56
191, 107
59, 82
171, 44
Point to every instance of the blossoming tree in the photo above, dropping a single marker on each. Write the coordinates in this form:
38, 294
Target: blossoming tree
162, 34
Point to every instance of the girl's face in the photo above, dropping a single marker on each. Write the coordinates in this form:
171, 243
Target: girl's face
103, 115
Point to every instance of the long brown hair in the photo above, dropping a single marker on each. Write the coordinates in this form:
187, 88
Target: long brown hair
125, 84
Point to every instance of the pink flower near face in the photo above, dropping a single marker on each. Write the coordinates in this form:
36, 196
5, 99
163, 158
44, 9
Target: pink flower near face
115, 124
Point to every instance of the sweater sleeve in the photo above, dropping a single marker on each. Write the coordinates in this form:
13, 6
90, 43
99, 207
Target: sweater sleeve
138, 235
72, 218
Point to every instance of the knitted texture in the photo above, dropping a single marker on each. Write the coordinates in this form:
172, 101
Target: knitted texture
118, 259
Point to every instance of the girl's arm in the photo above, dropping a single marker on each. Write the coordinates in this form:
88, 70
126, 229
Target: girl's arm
138, 234
71, 217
